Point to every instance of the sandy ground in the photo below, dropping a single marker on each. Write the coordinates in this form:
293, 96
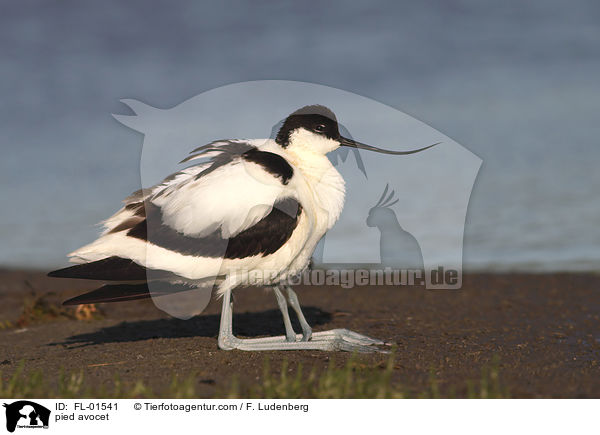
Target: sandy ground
544, 329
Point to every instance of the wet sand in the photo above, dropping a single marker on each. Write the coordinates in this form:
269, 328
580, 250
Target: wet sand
543, 329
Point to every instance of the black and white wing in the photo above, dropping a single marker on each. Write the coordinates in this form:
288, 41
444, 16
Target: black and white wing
222, 213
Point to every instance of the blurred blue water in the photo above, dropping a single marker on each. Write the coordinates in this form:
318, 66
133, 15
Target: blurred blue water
515, 82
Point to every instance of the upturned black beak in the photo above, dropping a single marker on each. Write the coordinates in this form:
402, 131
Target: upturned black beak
354, 144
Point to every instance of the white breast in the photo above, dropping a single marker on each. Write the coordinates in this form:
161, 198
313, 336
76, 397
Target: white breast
321, 191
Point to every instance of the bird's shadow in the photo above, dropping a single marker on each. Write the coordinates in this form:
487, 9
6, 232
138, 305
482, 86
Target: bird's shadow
265, 323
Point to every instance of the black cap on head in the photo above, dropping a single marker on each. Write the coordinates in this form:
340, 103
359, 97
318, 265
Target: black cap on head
320, 120
316, 118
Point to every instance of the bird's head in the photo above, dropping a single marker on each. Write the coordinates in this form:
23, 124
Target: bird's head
315, 129
310, 128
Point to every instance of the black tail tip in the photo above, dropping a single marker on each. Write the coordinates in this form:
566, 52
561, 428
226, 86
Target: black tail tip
59, 273
72, 301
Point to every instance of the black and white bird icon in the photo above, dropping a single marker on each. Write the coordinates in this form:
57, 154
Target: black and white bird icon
254, 207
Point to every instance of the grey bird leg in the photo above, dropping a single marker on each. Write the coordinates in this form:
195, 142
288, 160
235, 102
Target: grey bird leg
336, 339
226, 338
290, 334
295, 304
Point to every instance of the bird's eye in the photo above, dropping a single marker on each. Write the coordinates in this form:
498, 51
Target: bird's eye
320, 128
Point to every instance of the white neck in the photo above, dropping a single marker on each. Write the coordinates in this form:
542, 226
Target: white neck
324, 183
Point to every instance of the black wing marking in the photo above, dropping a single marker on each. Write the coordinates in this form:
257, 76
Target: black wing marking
273, 163
126, 292
108, 269
269, 234
265, 237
